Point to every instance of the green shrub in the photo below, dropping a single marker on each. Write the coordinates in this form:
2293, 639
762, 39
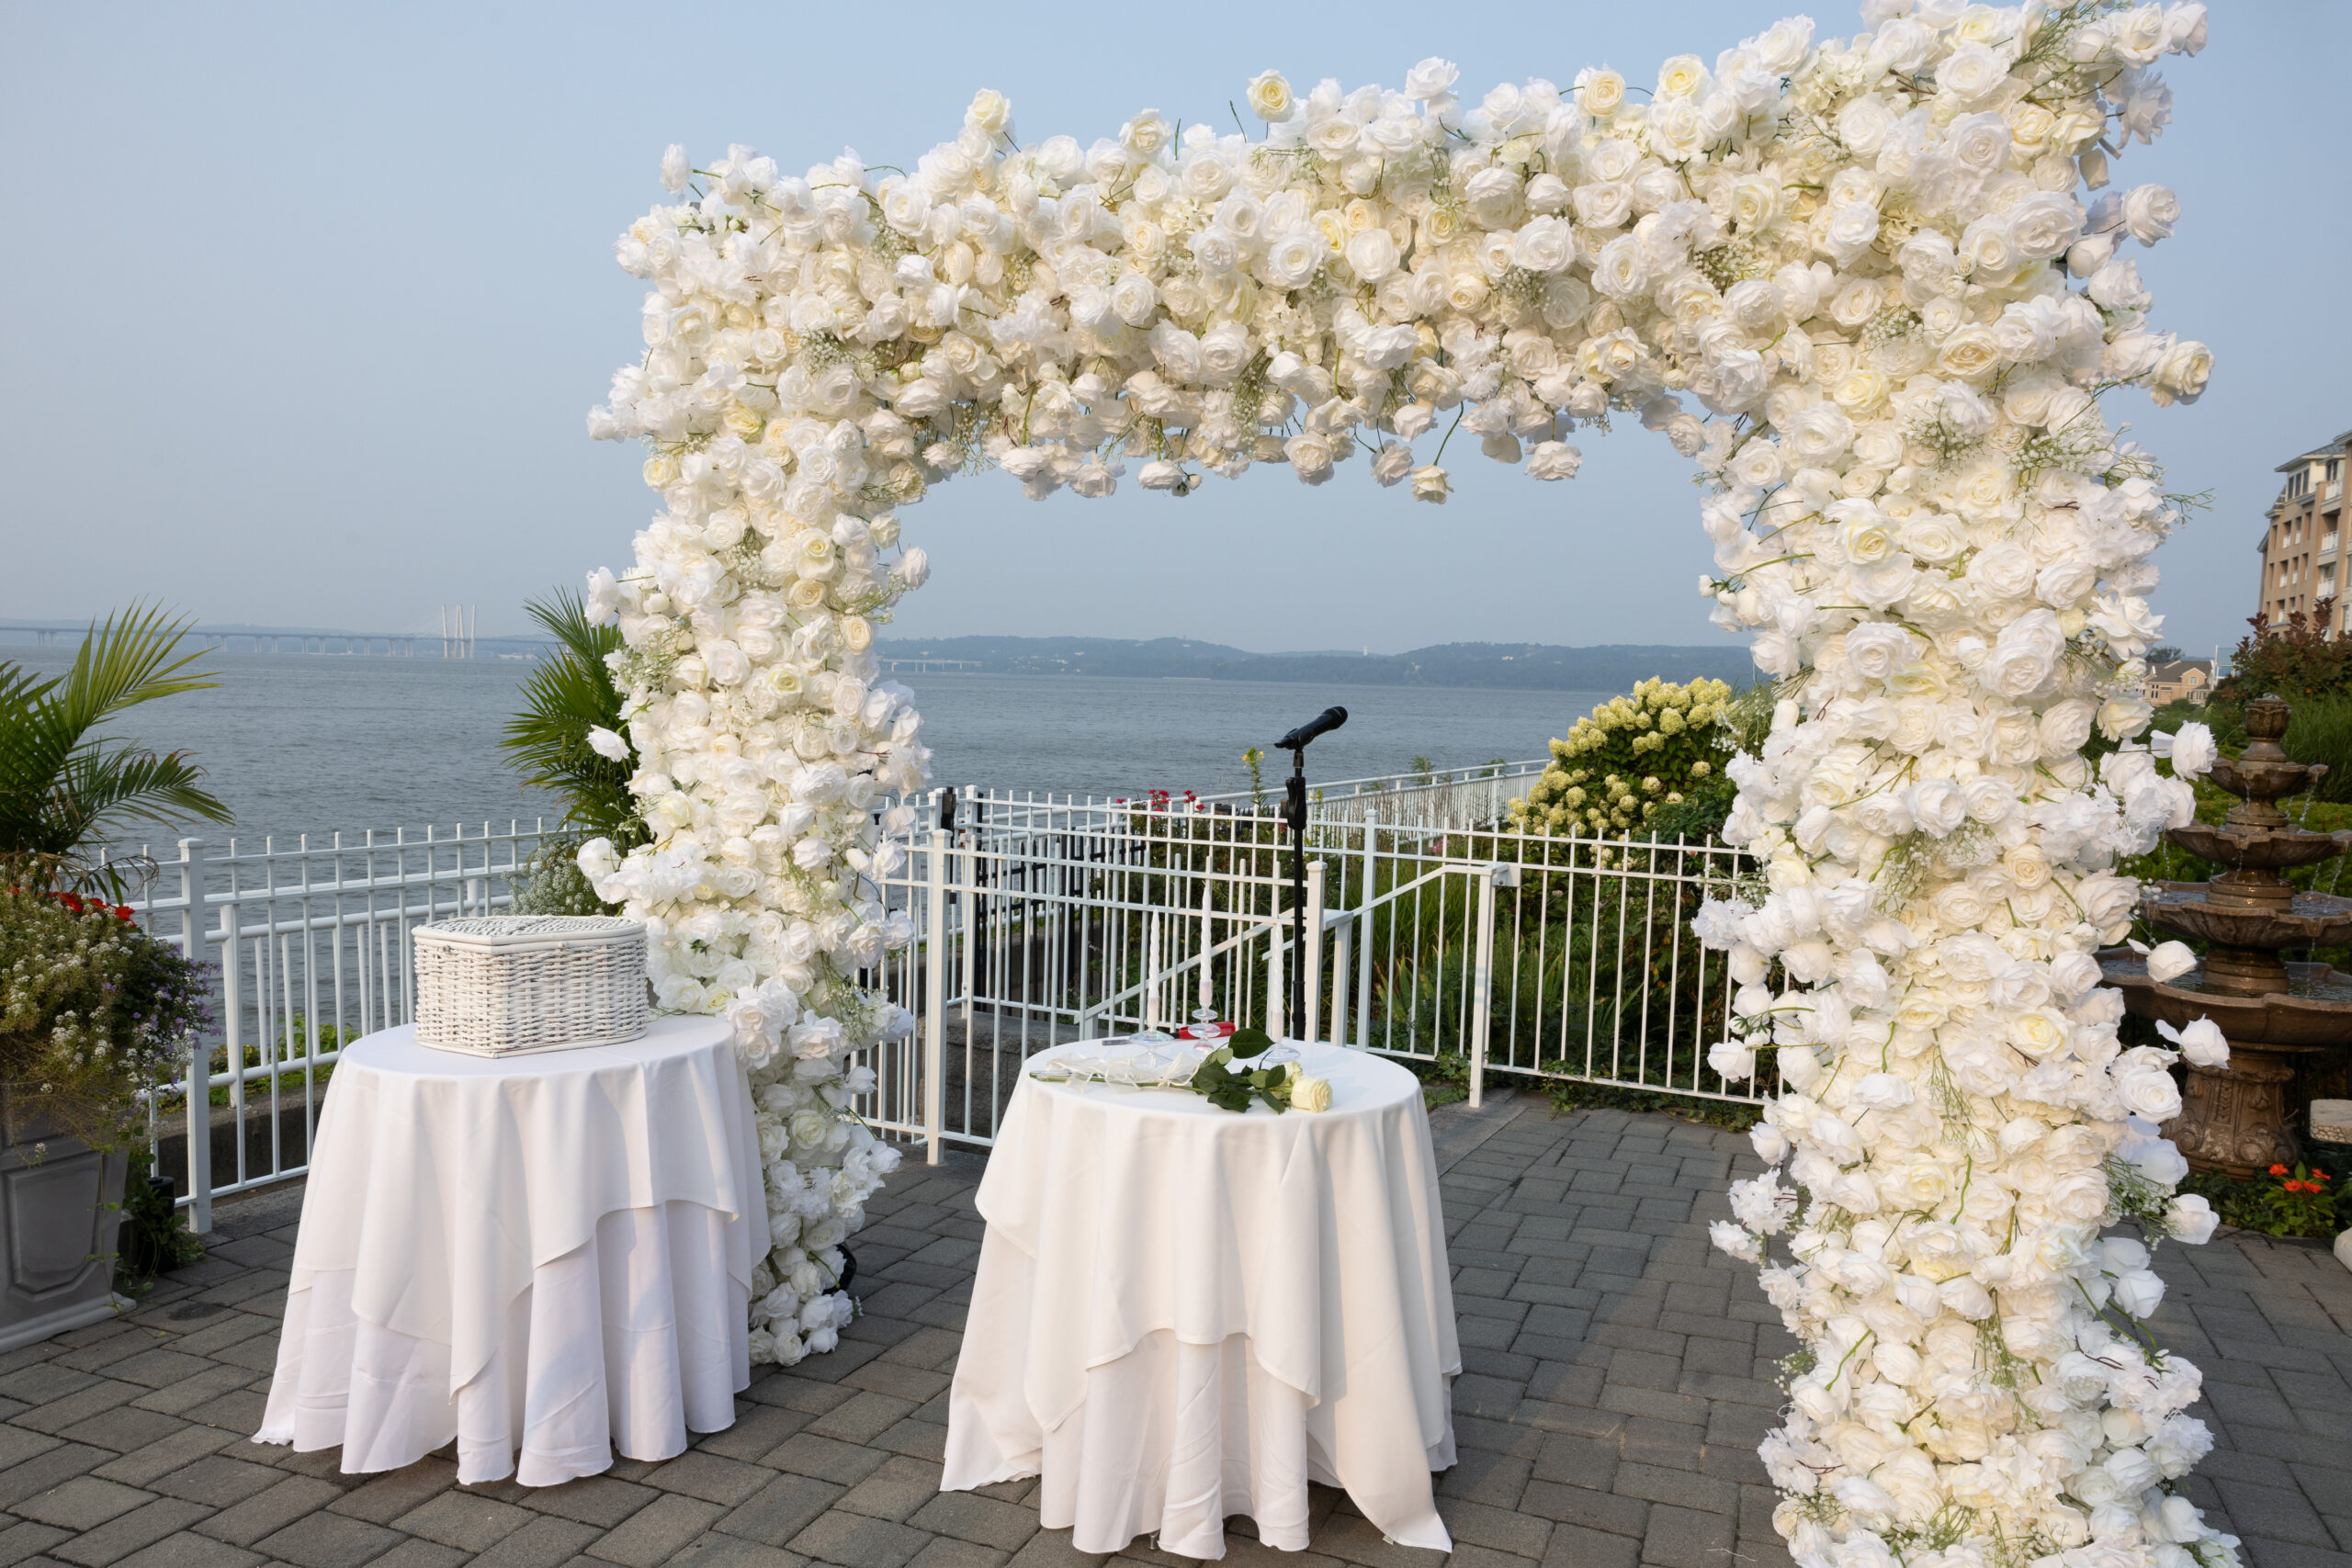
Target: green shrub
2321, 731
2293, 660
1629, 759
93, 1010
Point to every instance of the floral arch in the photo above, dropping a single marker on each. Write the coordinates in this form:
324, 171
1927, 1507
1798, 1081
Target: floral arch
1858, 282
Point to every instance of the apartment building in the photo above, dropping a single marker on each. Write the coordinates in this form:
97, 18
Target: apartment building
2301, 565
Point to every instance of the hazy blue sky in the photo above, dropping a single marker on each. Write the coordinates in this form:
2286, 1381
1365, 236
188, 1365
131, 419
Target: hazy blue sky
303, 307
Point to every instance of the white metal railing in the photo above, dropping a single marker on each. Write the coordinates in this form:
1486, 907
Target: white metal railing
312, 949
1440, 797
1431, 932
1524, 954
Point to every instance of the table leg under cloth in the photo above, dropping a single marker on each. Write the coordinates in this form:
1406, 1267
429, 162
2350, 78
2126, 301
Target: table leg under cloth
630, 1341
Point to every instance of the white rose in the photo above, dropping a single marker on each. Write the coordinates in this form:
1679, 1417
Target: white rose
1431, 80
1852, 226
2149, 1093
1554, 460
1372, 254
1132, 300
1270, 97
1310, 1093
2170, 960
1310, 455
2181, 372
1970, 73
2037, 1031
2149, 213
2202, 1043
1878, 650
1601, 92
2191, 1219
1546, 244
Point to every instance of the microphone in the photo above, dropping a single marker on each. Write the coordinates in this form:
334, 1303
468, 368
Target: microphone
1329, 719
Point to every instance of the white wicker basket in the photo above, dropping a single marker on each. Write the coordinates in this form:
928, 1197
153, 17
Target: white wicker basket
506, 984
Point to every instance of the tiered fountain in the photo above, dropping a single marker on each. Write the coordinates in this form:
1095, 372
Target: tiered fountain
2234, 1119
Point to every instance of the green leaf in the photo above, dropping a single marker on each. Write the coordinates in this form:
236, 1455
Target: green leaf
1250, 1041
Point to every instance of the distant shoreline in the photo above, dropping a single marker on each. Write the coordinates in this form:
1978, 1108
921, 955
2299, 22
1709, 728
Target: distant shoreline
1449, 666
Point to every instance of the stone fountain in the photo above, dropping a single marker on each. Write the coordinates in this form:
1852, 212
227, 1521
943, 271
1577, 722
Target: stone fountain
2234, 1119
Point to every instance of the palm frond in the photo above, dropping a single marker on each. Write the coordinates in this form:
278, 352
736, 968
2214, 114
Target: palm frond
63, 788
565, 697
104, 788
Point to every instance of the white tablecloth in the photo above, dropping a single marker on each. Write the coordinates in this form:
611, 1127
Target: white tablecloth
551, 1253
1183, 1313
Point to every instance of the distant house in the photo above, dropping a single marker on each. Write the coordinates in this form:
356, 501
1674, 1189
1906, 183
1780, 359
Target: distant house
2179, 680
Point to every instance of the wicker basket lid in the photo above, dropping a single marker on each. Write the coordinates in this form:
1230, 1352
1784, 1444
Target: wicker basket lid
507, 931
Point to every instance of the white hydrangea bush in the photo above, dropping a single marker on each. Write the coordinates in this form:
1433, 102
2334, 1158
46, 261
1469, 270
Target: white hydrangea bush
1874, 286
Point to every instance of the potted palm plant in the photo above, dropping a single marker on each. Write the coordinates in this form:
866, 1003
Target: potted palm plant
93, 1009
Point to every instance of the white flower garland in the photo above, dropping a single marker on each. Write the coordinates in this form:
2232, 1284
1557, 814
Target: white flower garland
1867, 261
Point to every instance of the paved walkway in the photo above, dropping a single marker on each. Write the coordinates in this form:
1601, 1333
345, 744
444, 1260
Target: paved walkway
1617, 1374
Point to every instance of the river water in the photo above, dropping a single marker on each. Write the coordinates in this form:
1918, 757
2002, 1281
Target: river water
312, 743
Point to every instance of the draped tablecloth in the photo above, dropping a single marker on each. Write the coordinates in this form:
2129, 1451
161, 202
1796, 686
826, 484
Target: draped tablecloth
551, 1253
1182, 1313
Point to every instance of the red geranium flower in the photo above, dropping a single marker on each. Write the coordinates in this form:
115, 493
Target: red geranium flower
2278, 1170
2294, 1187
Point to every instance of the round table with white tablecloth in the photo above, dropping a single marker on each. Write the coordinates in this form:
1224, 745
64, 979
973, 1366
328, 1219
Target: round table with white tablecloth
1182, 1313
549, 1253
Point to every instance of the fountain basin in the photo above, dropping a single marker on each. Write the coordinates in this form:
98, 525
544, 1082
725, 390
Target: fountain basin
2314, 1014
2261, 779
2304, 920
2260, 848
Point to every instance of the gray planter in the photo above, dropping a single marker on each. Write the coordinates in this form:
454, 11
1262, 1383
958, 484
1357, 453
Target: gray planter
61, 1206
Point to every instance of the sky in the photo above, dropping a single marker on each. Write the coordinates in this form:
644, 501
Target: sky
306, 304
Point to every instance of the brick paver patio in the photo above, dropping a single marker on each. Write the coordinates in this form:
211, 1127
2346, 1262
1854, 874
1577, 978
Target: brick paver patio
1617, 1374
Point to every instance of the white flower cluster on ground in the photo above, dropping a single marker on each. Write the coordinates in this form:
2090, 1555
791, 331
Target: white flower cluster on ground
1857, 281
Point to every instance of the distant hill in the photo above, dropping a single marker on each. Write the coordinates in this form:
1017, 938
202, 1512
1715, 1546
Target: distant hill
1071, 655
1535, 666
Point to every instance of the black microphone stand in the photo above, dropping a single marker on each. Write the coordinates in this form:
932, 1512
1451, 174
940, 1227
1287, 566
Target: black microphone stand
1295, 815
